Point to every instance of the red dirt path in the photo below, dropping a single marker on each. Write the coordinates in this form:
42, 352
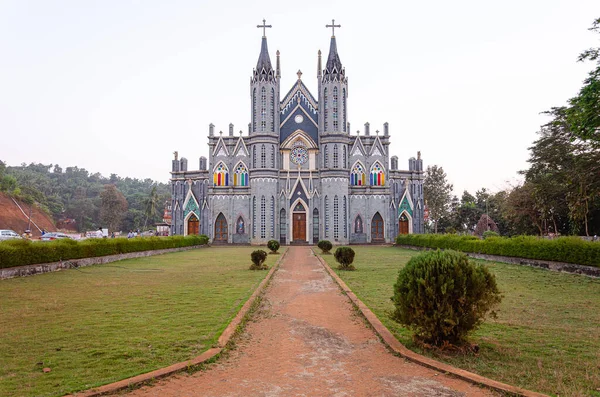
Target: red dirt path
306, 340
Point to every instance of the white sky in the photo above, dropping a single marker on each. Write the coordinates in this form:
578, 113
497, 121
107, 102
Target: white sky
117, 86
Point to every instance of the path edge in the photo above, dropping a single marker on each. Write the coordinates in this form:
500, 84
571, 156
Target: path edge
394, 344
210, 354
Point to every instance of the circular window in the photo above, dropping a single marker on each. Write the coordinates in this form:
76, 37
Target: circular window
298, 119
299, 155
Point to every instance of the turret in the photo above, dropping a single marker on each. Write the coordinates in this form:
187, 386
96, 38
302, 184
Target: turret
333, 91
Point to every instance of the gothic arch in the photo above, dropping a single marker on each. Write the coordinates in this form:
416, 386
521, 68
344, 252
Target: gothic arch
240, 174
377, 228
359, 226
221, 174
291, 216
358, 175
186, 221
221, 234
408, 217
377, 174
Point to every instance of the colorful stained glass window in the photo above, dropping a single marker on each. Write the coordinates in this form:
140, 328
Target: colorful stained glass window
377, 175
221, 175
358, 177
240, 176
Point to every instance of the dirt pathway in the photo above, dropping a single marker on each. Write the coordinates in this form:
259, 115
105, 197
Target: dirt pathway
306, 340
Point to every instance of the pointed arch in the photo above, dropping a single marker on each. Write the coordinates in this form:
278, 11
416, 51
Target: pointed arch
377, 174
344, 157
263, 156
358, 225
344, 127
240, 174
272, 109
298, 219
377, 229
191, 224
272, 217
240, 225
336, 218
263, 217
253, 216
254, 109
315, 225
345, 218
282, 227
357, 174
221, 174
263, 109
405, 225
325, 157
272, 156
326, 207
221, 230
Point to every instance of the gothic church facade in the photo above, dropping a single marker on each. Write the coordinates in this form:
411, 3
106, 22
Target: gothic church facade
299, 175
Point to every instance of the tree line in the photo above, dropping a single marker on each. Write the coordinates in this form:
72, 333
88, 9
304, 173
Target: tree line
561, 189
91, 199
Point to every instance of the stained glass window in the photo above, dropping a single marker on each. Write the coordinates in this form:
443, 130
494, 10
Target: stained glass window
377, 175
221, 175
357, 176
240, 176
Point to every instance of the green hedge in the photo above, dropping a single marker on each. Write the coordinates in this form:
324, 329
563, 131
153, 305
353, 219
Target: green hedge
25, 252
563, 249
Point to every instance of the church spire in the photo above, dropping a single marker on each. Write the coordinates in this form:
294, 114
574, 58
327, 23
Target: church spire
333, 68
264, 69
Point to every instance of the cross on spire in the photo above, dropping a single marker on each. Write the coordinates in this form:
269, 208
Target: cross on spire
264, 26
333, 26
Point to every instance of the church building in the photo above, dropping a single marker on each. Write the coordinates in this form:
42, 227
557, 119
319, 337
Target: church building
299, 175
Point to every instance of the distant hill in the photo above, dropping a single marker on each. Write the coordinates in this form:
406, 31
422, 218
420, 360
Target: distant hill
11, 216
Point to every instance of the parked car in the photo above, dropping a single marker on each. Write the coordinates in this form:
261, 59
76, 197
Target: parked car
8, 235
53, 236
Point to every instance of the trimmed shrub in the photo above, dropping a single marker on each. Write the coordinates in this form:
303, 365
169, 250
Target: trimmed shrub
258, 258
562, 249
490, 233
442, 296
24, 252
345, 256
325, 246
273, 245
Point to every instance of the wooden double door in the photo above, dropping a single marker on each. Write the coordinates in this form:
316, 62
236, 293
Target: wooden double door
220, 230
299, 226
377, 235
403, 225
193, 225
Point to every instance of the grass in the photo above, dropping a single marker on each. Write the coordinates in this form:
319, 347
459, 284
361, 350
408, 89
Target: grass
546, 337
103, 323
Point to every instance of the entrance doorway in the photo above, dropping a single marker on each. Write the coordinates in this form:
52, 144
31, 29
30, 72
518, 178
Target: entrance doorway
220, 230
377, 235
299, 223
193, 225
403, 224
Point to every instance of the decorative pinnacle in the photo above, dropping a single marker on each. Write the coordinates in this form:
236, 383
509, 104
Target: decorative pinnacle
332, 26
264, 27
299, 74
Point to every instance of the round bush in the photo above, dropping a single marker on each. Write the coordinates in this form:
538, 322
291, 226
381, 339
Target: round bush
273, 245
442, 296
258, 258
490, 233
325, 246
345, 256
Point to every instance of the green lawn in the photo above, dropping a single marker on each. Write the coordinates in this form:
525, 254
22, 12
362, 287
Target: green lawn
107, 322
546, 337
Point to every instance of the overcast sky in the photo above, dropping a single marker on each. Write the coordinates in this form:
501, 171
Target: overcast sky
117, 86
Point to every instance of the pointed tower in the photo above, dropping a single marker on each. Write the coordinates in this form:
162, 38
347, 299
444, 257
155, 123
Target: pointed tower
334, 143
263, 145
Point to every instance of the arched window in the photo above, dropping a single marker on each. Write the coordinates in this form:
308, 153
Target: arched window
263, 156
357, 176
254, 110
272, 217
326, 216
377, 175
344, 156
358, 225
263, 109
272, 156
240, 227
253, 216
335, 156
240, 176
345, 219
272, 110
335, 109
325, 157
325, 110
263, 217
253, 156
221, 175
282, 227
336, 218
315, 225
344, 109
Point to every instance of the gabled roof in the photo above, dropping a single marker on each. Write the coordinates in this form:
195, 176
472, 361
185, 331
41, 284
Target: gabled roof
377, 147
241, 146
220, 146
299, 89
358, 146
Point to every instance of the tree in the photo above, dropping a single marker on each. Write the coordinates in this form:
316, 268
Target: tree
152, 203
583, 114
113, 207
437, 192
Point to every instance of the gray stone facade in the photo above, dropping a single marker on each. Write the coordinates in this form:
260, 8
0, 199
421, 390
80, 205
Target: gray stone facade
298, 175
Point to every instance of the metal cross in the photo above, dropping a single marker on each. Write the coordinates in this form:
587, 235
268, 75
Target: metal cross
333, 26
264, 26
